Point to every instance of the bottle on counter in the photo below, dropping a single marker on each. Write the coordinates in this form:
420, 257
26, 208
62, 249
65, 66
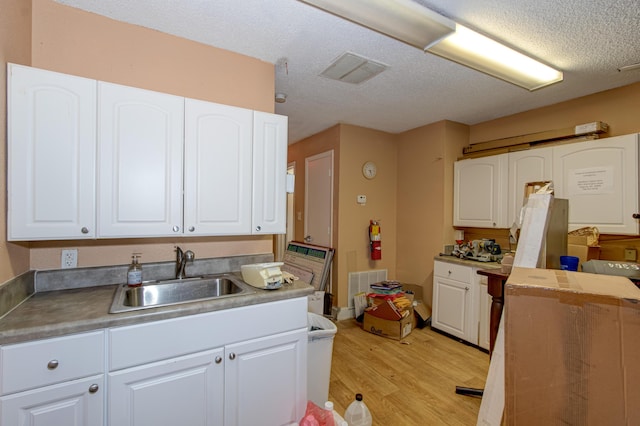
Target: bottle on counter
357, 413
134, 274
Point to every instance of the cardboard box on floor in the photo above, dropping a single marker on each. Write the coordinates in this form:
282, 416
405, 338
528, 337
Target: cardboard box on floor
397, 330
571, 345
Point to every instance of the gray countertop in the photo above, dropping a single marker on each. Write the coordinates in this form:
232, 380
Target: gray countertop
466, 262
59, 312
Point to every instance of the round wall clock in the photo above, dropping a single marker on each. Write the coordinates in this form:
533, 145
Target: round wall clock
369, 170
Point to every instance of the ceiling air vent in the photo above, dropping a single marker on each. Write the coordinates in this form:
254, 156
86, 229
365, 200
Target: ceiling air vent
351, 68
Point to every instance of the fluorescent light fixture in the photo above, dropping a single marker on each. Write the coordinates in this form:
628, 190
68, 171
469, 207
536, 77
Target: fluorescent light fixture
476, 51
403, 20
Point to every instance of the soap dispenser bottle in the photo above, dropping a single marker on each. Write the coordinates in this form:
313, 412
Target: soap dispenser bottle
134, 274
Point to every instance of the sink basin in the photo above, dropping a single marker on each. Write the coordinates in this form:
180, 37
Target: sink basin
171, 292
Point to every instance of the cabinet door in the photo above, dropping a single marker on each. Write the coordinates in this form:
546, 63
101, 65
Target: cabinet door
266, 380
532, 165
269, 173
80, 402
600, 180
453, 310
179, 391
140, 155
51, 134
485, 315
217, 175
479, 192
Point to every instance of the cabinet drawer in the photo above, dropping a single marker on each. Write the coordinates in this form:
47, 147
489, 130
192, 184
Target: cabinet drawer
45, 362
453, 271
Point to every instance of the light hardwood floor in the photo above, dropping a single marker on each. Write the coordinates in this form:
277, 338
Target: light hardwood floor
406, 383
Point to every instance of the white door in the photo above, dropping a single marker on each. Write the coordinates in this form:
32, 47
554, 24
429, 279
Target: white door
600, 180
140, 156
269, 173
534, 165
452, 307
217, 172
266, 380
480, 192
51, 141
80, 402
181, 391
319, 199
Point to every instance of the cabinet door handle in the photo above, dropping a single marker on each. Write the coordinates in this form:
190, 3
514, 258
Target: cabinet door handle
192, 228
466, 289
218, 359
449, 272
84, 230
94, 388
176, 228
636, 215
53, 364
258, 228
232, 356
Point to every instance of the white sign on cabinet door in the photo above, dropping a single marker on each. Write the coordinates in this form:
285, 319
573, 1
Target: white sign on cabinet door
594, 180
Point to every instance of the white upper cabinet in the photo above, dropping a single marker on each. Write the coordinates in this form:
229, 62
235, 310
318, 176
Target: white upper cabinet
140, 156
91, 159
532, 165
480, 198
218, 169
269, 173
51, 155
600, 180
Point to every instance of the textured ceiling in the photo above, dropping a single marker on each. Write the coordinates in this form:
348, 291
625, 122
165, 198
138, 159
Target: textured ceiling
586, 39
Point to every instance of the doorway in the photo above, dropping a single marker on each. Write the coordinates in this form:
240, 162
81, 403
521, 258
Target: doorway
318, 223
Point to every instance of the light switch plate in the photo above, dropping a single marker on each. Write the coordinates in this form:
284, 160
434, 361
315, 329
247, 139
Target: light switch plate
362, 199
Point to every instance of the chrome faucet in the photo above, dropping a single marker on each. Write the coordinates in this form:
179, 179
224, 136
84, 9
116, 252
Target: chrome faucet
181, 261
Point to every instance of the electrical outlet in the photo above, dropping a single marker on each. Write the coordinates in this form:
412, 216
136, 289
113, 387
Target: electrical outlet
69, 259
630, 254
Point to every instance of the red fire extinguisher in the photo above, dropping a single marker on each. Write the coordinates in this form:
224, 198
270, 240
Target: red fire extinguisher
374, 240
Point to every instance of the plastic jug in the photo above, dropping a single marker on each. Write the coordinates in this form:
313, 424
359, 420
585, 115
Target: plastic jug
357, 413
337, 418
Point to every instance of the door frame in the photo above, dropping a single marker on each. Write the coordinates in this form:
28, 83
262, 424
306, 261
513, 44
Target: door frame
306, 192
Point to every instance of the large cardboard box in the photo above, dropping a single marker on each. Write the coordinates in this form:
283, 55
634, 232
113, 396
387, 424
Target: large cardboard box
572, 342
392, 329
577, 246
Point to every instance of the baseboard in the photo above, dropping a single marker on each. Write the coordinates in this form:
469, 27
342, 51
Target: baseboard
342, 313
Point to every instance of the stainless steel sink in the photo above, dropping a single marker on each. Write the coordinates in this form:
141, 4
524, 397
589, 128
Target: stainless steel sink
171, 292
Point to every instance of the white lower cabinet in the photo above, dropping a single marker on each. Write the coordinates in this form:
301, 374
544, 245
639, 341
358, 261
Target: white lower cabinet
453, 301
79, 402
187, 390
235, 367
460, 303
263, 378
53, 382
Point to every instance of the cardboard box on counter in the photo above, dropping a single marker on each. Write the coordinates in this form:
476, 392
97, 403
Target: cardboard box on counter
572, 345
397, 330
577, 246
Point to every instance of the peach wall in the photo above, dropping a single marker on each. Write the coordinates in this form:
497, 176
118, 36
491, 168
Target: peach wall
81, 43
357, 146
425, 198
68, 40
15, 45
619, 108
